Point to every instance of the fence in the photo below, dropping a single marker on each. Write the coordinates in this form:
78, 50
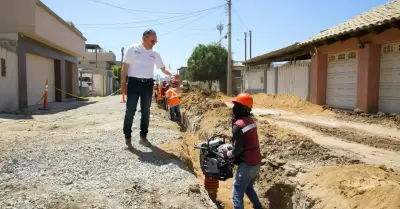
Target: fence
290, 78
205, 85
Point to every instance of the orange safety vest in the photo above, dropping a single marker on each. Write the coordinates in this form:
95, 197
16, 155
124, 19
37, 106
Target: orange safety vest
173, 97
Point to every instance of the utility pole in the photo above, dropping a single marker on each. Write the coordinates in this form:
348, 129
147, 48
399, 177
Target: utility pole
122, 60
245, 59
229, 74
220, 28
245, 46
250, 42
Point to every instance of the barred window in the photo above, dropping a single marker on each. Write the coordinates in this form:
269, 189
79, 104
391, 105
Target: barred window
388, 49
352, 55
341, 57
332, 58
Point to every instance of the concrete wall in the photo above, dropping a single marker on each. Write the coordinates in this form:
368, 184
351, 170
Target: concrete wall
17, 16
9, 83
53, 30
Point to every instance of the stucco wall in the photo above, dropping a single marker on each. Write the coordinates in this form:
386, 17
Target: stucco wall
9, 83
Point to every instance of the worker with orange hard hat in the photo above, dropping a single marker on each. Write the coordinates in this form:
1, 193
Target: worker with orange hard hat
245, 151
173, 101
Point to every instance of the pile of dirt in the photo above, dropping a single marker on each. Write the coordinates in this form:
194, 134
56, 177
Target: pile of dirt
386, 119
285, 153
353, 135
356, 186
290, 103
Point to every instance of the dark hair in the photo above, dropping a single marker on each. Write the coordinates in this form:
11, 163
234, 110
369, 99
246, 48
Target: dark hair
149, 32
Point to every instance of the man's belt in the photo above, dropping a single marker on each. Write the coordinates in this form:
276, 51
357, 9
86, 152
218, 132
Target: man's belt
142, 79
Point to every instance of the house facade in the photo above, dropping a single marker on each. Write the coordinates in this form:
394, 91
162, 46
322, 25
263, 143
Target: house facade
36, 45
100, 62
356, 64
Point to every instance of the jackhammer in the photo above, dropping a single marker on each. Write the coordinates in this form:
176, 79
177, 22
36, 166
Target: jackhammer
213, 165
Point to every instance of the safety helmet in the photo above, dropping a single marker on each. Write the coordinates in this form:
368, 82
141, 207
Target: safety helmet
244, 99
176, 82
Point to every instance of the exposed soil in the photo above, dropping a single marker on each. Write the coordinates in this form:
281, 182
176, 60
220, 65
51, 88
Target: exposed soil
289, 102
385, 119
353, 135
285, 153
356, 186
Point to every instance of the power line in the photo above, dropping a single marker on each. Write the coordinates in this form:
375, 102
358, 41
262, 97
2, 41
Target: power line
187, 23
156, 23
126, 23
136, 10
237, 14
111, 5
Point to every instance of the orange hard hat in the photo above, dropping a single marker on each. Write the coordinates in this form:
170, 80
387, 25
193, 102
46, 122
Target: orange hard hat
244, 99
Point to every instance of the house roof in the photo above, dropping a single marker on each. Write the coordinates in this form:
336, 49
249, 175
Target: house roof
279, 55
383, 14
92, 46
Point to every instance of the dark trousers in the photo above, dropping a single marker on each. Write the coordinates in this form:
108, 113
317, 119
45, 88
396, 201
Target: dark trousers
143, 90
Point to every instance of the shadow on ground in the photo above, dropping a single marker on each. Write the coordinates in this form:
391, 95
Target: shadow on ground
52, 108
160, 157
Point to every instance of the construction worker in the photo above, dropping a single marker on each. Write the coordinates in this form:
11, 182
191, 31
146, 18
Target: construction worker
163, 89
155, 91
172, 96
245, 152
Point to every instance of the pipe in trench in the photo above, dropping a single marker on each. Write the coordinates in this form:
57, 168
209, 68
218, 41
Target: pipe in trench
211, 185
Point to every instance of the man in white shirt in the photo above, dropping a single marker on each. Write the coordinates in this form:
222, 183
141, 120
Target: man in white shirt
138, 65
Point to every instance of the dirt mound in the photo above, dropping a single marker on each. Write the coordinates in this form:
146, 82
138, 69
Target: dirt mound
353, 135
386, 119
285, 153
196, 97
289, 102
356, 186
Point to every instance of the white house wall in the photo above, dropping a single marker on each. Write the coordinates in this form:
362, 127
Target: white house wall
9, 83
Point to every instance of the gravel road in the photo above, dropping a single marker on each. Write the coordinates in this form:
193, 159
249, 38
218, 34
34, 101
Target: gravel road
77, 159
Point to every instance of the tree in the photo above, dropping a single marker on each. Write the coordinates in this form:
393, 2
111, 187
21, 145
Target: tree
116, 69
207, 63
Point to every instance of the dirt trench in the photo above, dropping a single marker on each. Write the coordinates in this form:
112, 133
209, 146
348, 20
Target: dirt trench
286, 154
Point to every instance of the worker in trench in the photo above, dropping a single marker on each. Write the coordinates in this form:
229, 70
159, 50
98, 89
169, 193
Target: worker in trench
173, 99
245, 151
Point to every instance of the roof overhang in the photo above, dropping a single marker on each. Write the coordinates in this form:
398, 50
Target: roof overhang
281, 55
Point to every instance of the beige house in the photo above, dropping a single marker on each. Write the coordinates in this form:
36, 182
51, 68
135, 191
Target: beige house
100, 62
36, 45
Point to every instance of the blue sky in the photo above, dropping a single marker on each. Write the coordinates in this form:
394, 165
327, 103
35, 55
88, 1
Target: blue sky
274, 24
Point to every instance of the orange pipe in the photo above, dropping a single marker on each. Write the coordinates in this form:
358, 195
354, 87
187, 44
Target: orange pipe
211, 186
46, 92
123, 98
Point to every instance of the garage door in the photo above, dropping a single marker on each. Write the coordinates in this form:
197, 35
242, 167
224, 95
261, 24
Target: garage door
389, 84
342, 80
39, 69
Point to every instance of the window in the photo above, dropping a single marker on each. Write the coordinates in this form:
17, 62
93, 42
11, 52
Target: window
3, 67
92, 62
262, 79
341, 57
352, 55
388, 49
332, 58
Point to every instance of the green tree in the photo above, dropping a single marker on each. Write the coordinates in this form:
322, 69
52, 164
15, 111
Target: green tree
208, 63
116, 69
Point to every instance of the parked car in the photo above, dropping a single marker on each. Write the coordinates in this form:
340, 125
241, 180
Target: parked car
86, 81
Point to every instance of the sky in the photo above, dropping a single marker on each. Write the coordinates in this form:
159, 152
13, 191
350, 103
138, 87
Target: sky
181, 24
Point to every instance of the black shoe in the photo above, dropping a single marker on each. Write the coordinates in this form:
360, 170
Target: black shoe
128, 142
143, 141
